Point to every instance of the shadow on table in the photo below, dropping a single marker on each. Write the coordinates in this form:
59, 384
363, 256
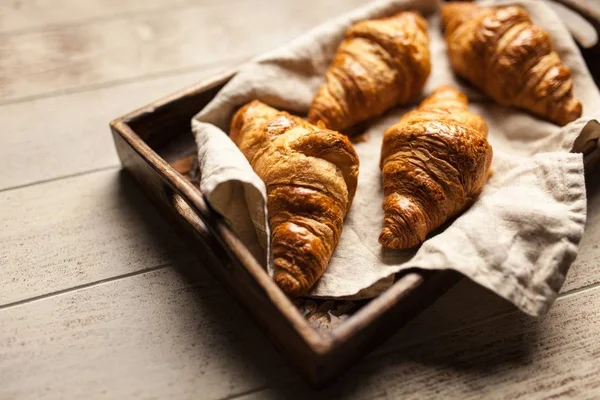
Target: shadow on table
210, 315
468, 334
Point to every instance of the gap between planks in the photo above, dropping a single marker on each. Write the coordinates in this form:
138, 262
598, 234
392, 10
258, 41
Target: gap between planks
58, 178
573, 292
87, 285
251, 391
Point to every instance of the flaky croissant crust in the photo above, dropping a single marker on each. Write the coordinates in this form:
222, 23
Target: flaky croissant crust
379, 64
311, 176
501, 51
434, 163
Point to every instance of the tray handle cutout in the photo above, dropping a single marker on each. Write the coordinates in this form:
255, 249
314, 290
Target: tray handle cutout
187, 213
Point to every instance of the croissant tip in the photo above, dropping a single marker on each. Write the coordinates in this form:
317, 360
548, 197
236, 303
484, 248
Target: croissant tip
391, 241
575, 110
388, 240
290, 285
321, 124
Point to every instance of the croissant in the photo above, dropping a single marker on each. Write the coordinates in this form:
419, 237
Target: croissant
434, 163
379, 64
311, 176
500, 51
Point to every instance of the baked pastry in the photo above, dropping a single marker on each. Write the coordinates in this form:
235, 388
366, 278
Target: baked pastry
500, 51
434, 163
311, 176
379, 64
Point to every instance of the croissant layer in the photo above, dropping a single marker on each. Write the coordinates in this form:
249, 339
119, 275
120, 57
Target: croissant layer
503, 53
311, 176
380, 63
434, 163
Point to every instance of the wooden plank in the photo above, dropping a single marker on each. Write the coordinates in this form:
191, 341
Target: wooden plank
26, 15
510, 357
170, 333
52, 137
21, 15
99, 53
79, 230
164, 334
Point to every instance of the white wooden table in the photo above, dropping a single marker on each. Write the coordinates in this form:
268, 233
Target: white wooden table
92, 299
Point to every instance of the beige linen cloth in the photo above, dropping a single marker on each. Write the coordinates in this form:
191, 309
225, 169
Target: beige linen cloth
518, 239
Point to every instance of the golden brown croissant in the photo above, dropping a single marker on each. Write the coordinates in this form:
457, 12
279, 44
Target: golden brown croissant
500, 51
311, 176
434, 163
380, 63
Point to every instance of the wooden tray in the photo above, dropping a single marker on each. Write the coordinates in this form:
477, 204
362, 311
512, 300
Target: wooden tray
320, 338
